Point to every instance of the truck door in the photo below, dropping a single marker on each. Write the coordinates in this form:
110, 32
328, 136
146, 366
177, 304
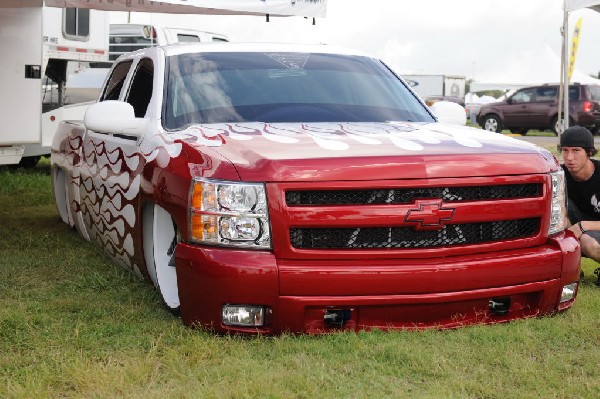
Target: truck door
517, 113
21, 75
541, 111
112, 167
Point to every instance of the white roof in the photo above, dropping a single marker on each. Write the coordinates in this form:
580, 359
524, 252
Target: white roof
216, 7
214, 47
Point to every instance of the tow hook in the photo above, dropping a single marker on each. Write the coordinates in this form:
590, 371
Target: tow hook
499, 306
336, 318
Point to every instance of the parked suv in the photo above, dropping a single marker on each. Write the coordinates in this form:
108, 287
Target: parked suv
537, 108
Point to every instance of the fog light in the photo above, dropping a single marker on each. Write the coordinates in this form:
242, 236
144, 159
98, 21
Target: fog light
243, 315
568, 292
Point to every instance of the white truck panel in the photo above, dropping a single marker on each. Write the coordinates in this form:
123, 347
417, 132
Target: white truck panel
61, 47
32, 36
426, 85
20, 75
436, 85
454, 86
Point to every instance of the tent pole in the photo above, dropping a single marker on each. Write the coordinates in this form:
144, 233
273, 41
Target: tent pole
564, 68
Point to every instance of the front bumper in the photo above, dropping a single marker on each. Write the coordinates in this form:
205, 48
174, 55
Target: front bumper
394, 293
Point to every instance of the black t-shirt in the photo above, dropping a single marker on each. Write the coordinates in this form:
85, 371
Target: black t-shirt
585, 194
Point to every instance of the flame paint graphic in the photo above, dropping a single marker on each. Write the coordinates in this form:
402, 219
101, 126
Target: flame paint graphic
106, 175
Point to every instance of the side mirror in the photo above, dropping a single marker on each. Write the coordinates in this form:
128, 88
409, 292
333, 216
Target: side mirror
449, 112
115, 117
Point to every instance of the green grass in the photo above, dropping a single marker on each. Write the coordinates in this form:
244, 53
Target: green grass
75, 325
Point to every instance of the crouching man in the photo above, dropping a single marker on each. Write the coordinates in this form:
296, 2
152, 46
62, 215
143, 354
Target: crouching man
582, 175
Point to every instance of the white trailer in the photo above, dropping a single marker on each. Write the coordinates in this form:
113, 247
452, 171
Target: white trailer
46, 45
437, 85
41, 48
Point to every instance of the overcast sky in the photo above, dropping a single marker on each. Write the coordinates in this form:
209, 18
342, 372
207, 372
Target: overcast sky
475, 38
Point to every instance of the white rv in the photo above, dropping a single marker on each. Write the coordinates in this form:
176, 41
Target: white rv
42, 48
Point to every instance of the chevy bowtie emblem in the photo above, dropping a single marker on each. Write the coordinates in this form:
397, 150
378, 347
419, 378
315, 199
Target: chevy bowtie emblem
429, 215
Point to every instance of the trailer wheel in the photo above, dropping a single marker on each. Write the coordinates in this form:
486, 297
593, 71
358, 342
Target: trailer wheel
160, 238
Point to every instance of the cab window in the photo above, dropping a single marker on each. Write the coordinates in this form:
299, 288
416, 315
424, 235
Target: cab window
116, 81
546, 93
523, 96
140, 90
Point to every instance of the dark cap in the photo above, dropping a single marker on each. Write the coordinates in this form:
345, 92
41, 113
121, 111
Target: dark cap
577, 136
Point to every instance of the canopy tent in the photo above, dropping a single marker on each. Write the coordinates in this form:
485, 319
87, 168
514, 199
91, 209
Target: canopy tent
572, 5
310, 9
533, 68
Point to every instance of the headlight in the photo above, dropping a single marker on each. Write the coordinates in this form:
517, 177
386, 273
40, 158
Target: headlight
558, 212
229, 213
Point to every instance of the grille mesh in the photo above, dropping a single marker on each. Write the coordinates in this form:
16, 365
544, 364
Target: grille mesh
408, 195
406, 237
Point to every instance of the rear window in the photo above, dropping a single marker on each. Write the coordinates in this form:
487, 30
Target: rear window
574, 93
284, 87
594, 92
187, 38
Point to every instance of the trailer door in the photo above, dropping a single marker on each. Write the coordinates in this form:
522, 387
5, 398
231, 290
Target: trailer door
20, 75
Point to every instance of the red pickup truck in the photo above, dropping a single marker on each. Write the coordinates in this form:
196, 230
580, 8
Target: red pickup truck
278, 188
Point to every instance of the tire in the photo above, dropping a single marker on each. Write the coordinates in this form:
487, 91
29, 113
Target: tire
520, 130
160, 238
555, 127
59, 187
29, 162
555, 124
492, 123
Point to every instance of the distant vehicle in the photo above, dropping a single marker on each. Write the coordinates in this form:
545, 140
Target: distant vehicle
472, 109
453, 99
125, 38
536, 107
436, 85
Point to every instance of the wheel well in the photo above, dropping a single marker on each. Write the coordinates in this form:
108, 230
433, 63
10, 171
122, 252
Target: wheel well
495, 115
59, 187
147, 248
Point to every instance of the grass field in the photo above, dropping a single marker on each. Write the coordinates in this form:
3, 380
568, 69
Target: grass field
75, 325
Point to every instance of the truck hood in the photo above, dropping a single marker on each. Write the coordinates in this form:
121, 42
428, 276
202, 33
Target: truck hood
365, 151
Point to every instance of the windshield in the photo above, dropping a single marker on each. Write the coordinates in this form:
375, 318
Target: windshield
284, 87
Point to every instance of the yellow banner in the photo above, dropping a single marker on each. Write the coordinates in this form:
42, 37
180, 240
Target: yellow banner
574, 45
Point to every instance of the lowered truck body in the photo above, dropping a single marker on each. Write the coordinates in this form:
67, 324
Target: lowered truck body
259, 197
